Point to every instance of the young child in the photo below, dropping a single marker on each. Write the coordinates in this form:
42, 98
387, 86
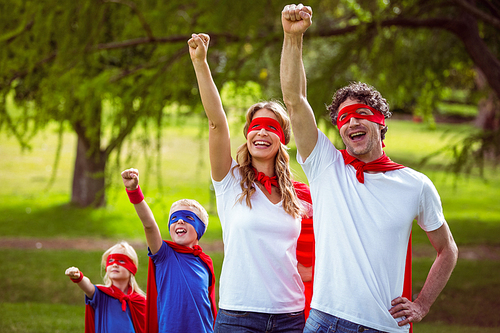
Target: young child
119, 305
181, 280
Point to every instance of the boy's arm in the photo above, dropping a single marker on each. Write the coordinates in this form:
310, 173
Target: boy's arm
153, 235
88, 288
295, 20
439, 274
219, 138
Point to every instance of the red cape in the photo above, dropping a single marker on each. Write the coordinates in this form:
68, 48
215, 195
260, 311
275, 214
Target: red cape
305, 243
152, 294
135, 301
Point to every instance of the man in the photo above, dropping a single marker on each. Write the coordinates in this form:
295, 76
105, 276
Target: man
364, 205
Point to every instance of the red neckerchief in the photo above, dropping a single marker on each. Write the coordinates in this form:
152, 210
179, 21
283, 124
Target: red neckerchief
381, 164
305, 243
152, 293
135, 301
384, 163
266, 181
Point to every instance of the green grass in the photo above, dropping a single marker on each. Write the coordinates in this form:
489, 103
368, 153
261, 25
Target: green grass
29, 209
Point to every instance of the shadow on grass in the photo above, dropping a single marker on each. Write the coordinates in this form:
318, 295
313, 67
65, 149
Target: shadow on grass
471, 297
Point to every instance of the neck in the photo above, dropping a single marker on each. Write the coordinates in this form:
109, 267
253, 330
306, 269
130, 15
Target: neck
122, 285
370, 156
266, 167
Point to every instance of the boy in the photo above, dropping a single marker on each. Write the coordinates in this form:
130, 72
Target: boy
181, 281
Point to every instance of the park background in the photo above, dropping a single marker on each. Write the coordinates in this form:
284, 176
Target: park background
89, 88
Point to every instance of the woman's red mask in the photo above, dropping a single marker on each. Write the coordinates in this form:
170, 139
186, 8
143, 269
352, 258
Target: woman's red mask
122, 260
269, 124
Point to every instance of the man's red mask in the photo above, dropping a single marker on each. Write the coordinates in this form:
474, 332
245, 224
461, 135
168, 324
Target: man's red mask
351, 112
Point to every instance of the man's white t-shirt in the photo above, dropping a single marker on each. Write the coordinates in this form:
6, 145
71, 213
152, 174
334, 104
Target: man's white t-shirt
361, 233
259, 272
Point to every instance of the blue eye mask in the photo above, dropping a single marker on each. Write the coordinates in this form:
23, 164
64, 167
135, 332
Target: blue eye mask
188, 217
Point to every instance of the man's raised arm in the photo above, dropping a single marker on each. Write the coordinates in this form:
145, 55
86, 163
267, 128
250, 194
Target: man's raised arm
296, 19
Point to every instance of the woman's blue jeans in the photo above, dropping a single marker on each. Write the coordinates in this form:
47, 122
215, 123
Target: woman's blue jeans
252, 322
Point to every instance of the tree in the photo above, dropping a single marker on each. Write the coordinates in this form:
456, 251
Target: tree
415, 51
101, 67
106, 67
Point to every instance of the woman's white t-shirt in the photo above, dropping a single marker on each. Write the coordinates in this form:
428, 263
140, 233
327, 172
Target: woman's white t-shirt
259, 272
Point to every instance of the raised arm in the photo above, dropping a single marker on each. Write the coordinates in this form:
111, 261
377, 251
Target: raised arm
218, 136
296, 19
153, 236
88, 288
439, 274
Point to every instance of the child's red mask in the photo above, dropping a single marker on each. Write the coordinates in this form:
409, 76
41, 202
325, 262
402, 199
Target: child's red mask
122, 260
350, 110
270, 124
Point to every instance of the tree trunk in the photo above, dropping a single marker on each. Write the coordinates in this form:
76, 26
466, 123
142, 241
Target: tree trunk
88, 177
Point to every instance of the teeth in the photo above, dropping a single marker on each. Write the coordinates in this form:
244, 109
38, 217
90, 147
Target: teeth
357, 133
180, 231
263, 143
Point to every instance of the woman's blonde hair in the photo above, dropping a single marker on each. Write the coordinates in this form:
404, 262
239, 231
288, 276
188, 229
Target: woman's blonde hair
129, 252
282, 170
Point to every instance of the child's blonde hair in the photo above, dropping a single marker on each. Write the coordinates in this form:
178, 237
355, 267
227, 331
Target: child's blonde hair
201, 211
129, 252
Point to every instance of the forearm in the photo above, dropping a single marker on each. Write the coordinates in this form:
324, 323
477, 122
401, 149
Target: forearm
151, 229
209, 94
292, 72
87, 287
437, 278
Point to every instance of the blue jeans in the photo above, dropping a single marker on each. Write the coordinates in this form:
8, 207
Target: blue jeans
253, 322
320, 322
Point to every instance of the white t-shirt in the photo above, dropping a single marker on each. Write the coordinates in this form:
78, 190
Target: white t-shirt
259, 272
362, 232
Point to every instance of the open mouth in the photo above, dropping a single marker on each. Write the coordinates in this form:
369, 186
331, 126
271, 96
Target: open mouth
261, 143
180, 231
356, 136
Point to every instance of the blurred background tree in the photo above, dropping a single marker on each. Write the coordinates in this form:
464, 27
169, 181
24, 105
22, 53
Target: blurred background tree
104, 68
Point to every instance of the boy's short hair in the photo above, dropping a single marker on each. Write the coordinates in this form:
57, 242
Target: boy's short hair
201, 211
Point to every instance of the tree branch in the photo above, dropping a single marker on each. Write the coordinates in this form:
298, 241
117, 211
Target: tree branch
479, 14
133, 6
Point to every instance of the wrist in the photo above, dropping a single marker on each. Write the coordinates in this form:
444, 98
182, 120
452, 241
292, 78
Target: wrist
135, 196
78, 279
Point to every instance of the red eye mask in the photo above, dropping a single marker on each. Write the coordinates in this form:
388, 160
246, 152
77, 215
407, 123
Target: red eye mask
350, 110
270, 124
122, 260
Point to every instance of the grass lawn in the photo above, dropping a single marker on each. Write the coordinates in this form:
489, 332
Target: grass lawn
33, 281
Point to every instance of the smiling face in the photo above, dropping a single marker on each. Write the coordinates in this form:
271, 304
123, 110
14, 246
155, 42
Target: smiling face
114, 270
361, 136
263, 144
181, 231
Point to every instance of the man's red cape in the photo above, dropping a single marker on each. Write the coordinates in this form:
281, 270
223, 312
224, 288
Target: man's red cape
305, 243
152, 294
383, 164
135, 302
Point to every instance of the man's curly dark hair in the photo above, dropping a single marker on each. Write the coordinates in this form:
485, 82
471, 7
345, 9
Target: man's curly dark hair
364, 93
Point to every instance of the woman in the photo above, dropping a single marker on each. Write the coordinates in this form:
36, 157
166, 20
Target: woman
260, 285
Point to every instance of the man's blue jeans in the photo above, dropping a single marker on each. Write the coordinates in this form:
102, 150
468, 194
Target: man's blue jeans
320, 322
252, 322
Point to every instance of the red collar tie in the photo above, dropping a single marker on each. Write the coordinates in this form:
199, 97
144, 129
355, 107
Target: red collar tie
381, 164
266, 181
